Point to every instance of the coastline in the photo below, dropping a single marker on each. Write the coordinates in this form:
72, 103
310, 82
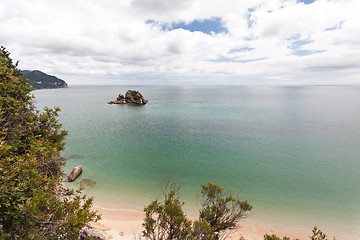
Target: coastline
122, 213
125, 223
124, 219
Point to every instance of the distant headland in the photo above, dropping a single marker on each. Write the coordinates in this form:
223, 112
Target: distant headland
40, 80
131, 96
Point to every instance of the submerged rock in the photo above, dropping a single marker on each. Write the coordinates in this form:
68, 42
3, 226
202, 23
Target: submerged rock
131, 96
76, 156
75, 173
87, 183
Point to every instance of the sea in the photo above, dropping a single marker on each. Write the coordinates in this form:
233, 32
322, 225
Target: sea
292, 151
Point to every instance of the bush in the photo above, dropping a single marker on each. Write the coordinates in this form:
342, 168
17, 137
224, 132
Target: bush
274, 237
220, 213
166, 220
317, 235
33, 204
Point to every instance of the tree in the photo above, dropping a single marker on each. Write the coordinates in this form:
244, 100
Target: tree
220, 213
166, 220
318, 234
274, 237
33, 204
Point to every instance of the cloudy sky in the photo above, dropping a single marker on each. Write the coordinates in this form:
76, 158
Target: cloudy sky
186, 41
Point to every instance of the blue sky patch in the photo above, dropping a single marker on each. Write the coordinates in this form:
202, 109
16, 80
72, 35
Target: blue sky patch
151, 21
306, 52
337, 26
244, 49
306, 1
250, 21
298, 43
226, 59
208, 26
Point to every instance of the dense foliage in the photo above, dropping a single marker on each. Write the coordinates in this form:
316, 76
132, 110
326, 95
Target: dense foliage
220, 213
33, 204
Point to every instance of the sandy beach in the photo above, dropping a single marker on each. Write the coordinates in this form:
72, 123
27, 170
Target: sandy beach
126, 224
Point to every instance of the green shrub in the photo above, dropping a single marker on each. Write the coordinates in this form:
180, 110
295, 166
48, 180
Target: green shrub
317, 235
33, 204
220, 213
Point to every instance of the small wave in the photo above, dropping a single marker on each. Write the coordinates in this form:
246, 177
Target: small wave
117, 209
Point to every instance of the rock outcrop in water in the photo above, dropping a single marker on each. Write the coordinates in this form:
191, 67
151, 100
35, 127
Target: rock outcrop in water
75, 173
131, 96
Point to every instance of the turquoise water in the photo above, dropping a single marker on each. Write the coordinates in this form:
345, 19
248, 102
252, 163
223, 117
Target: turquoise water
293, 152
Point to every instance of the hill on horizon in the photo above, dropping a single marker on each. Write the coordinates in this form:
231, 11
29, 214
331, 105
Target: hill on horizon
40, 80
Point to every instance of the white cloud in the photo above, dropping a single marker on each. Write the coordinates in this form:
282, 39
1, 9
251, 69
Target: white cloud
111, 40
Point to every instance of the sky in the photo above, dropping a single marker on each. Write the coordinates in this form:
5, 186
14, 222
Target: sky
228, 42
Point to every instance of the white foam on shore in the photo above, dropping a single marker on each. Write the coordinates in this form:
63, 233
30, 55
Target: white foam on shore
118, 209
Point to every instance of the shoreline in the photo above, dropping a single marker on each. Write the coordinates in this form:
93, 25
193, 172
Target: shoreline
124, 219
126, 223
123, 214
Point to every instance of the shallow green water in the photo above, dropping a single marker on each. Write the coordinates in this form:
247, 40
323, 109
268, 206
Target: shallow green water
293, 152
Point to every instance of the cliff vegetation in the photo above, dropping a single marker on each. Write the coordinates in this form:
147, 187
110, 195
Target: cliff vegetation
33, 203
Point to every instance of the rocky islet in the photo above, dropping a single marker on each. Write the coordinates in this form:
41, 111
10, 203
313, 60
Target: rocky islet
131, 96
